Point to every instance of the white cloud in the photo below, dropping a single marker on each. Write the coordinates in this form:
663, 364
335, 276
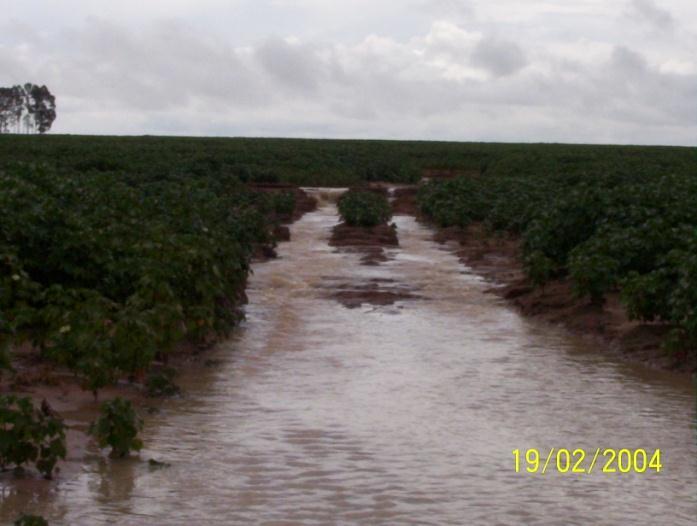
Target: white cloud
445, 69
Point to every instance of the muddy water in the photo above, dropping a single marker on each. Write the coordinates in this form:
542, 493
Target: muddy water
315, 413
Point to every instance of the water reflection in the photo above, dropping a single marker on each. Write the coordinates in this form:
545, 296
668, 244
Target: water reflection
112, 484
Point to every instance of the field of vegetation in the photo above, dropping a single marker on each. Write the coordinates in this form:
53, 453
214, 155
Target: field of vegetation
103, 271
115, 250
295, 161
608, 219
114, 244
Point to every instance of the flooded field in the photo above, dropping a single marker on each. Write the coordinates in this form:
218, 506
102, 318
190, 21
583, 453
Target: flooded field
401, 413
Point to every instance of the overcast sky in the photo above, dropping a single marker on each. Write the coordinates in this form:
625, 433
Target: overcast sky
608, 71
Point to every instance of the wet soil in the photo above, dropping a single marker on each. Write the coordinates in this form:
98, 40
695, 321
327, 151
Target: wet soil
304, 203
370, 242
63, 392
498, 259
377, 292
404, 201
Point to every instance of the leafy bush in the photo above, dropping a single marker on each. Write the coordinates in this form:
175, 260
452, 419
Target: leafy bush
103, 276
31, 520
609, 220
265, 175
389, 170
647, 297
31, 435
161, 383
364, 208
284, 203
117, 427
564, 223
113, 250
668, 293
540, 268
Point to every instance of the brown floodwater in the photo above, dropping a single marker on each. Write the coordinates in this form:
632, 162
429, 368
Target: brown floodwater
315, 413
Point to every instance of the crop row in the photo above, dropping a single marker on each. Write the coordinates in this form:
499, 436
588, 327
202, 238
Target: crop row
628, 228
103, 274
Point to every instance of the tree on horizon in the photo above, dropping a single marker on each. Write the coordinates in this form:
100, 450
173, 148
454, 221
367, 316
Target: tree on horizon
26, 109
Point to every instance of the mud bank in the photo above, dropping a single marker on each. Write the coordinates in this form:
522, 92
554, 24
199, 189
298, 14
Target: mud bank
404, 201
370, 242
304, 204
498, 259
63, 392
377, 292
78, 408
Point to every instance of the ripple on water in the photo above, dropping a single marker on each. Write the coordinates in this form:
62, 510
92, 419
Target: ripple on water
398, 414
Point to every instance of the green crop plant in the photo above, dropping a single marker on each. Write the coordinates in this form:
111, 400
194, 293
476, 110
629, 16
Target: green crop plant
161, 383
114, 250
102, 275
117, 427
30, 435
364, 208
608, 219
31, 520
283, 203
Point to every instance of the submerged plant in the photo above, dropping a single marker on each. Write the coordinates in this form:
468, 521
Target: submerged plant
28, 434
162, 383
118, 427
31, 520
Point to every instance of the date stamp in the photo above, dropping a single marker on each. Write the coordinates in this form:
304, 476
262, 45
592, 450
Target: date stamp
580, 461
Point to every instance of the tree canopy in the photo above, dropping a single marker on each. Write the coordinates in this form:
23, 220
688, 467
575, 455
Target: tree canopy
26, 109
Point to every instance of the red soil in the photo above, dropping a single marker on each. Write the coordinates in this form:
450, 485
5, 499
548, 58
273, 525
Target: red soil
375, 292
62, 390
499, 260
404, 202
369, 242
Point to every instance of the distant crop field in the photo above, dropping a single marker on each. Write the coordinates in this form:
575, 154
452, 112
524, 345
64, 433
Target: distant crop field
333, 162
113, 250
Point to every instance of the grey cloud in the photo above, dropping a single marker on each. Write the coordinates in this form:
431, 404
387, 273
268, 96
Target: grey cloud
293, 65
647, 11
499, 57
627, 89
161, 68
627, 62
167, 77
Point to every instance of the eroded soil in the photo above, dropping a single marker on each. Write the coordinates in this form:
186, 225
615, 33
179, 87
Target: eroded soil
498, 259
370, 242
63, 392
376, 291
